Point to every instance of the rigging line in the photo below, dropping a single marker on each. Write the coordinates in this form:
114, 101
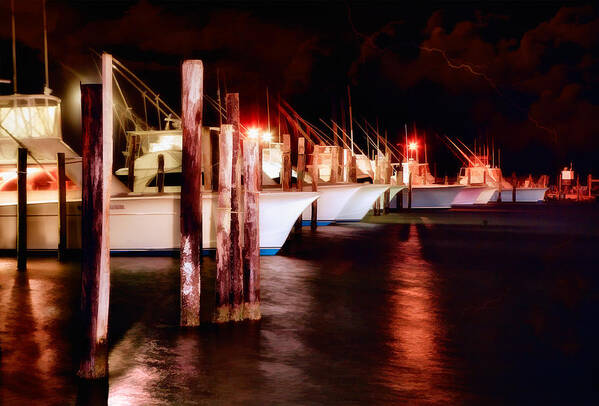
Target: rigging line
386, 142
21, 145
344, 132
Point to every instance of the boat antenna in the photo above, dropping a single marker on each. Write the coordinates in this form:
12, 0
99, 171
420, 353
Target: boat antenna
268, 111
14, 46
493, 150
351, 126
425, 156
406, 146
218, 100
47, 89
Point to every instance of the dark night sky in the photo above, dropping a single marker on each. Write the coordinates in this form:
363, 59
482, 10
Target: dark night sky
525, 74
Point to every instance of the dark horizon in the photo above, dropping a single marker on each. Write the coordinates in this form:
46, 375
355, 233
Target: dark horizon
524, 75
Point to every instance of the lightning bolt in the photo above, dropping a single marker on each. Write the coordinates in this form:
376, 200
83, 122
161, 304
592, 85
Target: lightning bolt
463, 66
468, 68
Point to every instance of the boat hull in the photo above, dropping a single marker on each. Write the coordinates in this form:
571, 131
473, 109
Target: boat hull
432, 196
360, 203
472, 195
151, 223
523, 195
331, 200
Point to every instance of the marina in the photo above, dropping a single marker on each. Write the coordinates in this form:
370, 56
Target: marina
277, 212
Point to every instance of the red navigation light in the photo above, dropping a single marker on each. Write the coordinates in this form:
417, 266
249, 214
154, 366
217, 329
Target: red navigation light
413, 146
253, 133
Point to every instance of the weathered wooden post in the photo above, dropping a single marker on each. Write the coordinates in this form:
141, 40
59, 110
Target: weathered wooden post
499, 187
469, 176
559, 187
132, 153
251, 247
22, 209
410, 191
236, 298
353, 173
192, 72
387, 198
223, 226
314, 174
300, 170
377, 180
590, 184
286, 163
214, 159
334, 163
446, 181
577, 188
160, 174
514, 187
62, 206
96, 118
301, 162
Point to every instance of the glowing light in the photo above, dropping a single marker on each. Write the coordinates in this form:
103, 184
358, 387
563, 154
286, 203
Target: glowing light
266, 136
413, 146
167, 143
253, 133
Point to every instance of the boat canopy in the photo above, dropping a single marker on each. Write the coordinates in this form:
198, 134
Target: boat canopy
32, 122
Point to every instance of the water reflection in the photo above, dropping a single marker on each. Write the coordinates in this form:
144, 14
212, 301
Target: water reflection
416, 369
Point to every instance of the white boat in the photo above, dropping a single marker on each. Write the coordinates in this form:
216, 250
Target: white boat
481, 173
425, 193
146, 223
331, 201
471, 195
361, 202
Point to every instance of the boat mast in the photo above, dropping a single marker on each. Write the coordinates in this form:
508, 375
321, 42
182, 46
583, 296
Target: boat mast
406, 146
47, 89
218, 100
351, 124
268, 111
14, 46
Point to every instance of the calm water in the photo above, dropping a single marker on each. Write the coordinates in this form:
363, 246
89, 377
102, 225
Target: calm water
491, 307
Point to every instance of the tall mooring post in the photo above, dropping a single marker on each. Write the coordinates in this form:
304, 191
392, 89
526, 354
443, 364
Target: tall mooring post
387, 181
286, 163
514, 187
131, 154
96, 119
223, 226
236, 295
314, 174
353, 170
251, 231
192, 72
22, 209
160, 174
62, 205
301, 168
334, 163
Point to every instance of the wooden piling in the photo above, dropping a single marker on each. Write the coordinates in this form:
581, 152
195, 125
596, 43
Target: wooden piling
192, 72
499, 187
387, 181
223, 226
577, 188
300, 170
590, 184
96, 118
314, 174
62, 205
236, 295
334, 164
514, 187
301, 162
214, 160
286, 163
410, 191
160, 174
131, 154
22, 209
353, 173
251, 247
